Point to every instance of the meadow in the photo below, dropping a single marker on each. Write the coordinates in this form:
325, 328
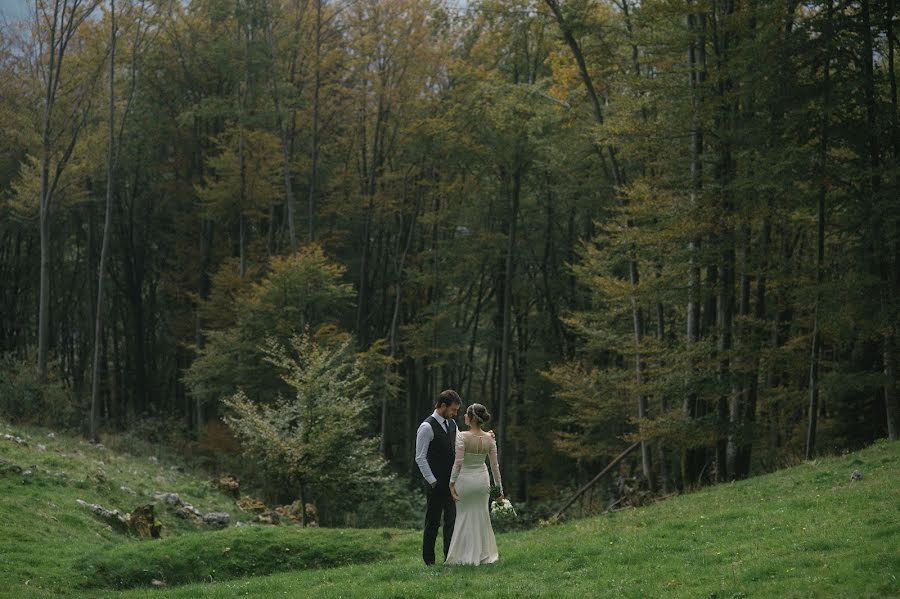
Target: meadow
806, 531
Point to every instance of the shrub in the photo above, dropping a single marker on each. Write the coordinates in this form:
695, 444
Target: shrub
25, 399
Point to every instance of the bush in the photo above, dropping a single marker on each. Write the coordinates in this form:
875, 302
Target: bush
24, 399
390, 503
150, 436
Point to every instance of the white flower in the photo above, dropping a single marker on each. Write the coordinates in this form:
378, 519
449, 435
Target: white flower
503, 510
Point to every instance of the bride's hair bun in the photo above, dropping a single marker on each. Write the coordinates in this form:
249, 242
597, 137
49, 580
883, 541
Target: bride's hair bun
479, 413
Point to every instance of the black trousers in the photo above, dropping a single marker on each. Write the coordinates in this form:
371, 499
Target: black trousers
439, 502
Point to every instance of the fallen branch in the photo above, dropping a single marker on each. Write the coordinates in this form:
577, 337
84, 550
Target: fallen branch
593, 481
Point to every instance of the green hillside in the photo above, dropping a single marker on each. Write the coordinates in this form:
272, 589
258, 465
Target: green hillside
808, 531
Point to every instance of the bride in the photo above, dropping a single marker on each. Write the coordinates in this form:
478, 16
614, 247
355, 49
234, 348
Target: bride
473, 539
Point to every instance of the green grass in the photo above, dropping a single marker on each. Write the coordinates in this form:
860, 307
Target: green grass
806, 531
236, 552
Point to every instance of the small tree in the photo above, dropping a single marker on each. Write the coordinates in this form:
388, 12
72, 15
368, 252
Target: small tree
314, 442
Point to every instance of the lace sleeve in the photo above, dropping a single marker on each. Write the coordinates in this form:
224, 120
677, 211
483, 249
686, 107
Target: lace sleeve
457, 463
495, 467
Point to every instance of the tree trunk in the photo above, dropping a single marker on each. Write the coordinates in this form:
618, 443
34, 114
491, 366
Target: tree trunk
820, 249
395, 317
724, 313
697, 74
890, 388
637, 316
892, 77
663, 456
314, 150
203, 288
44, 301
509, 271
110, 159
60, 26
737, 408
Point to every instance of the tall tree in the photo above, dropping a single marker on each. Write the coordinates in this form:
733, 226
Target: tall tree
65, 105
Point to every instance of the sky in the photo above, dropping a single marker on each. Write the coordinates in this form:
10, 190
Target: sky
13, 9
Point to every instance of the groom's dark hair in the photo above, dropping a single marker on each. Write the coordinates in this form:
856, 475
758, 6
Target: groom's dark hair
447, 397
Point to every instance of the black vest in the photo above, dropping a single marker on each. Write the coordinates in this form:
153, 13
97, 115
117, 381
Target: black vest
442, 449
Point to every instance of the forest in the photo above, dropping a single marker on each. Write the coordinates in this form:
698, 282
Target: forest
266, 234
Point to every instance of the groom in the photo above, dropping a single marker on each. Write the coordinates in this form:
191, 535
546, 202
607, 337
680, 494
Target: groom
435, 451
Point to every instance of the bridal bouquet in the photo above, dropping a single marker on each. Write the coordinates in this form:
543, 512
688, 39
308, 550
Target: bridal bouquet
502, 511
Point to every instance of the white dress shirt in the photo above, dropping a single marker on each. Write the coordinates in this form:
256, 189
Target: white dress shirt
424, 437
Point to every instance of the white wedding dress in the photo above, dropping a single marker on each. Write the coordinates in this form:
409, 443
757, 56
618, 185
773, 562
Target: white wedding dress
473, 539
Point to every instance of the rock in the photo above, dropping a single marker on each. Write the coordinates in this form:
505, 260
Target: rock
217, 518
183, 509
154, 459
186, 513
856, 475
230, 485
51, 435
127, 490
41, 447
157, 583
249, 504
112, 517
269, 517
293, 512
16, 439
100, 476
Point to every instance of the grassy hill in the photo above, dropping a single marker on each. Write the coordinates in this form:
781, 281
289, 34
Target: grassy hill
807, 531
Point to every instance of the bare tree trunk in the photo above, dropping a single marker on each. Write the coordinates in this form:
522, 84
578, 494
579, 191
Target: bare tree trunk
286, 139
737, 407
242, 244
638, 323
724, 314
203, 288
394, 321
820, 250
664, 477
44, 302
314, 150
507, 315
697, 62
110, 159
892, 77
242, 159
372, 165
60, 27
890, 388
726, 110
